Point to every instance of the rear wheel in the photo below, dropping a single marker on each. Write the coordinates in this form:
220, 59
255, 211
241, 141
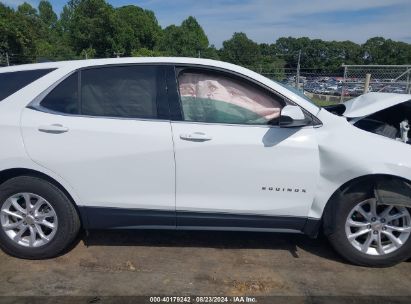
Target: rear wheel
367, 233
37, 219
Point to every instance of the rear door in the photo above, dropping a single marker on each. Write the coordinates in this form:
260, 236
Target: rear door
105, 130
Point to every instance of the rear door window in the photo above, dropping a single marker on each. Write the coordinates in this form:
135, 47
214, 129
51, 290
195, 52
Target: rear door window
116, 92
64, 97
11, 82
120, 91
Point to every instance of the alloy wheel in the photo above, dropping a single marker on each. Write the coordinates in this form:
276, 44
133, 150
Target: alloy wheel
28, 220
376, 229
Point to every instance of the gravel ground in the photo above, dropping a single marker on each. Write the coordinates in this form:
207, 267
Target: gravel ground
177, 263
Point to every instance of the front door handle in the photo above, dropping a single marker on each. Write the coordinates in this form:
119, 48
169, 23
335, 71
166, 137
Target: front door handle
53, 129
196, 136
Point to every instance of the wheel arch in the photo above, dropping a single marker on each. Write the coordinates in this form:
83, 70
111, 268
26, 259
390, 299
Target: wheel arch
8, 174
372, 183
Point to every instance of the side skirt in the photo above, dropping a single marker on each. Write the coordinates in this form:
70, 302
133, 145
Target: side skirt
238, 221
122, 218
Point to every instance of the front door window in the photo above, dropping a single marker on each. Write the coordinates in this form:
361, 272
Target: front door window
214, 98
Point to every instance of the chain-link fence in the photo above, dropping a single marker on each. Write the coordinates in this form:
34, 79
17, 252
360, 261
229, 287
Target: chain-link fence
347, 82
305, 76
376, 78
324, 86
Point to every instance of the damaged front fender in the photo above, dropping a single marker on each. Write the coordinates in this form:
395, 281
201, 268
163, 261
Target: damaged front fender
393, 191
347, 154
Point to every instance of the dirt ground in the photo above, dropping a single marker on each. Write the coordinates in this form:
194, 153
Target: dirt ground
199, 263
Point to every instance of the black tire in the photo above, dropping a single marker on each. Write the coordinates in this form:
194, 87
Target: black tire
335, 216
68, 219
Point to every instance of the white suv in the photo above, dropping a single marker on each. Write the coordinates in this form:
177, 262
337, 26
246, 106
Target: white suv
180, 143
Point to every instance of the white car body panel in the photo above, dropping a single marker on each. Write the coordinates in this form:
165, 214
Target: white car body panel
346, 153
320, 159
123, 163
228, 173
14, 155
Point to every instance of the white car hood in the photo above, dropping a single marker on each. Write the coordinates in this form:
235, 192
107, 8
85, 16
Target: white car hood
371, 103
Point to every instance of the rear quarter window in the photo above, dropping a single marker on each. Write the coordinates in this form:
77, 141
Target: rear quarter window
11, 82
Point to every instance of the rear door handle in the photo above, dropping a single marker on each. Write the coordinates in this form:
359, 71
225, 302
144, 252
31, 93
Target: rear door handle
196, 136
53, 129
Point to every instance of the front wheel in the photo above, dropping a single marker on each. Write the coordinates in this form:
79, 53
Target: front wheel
370, 234
37, 219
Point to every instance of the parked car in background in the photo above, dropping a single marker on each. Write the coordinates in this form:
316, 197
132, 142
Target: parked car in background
185, 143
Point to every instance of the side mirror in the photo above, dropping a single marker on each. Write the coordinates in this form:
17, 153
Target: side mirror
292, 116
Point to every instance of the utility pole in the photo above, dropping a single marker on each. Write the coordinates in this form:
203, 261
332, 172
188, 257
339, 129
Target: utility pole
7, 59
343, 83
367, 83
297, 78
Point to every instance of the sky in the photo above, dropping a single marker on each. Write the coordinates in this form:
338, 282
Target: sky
267, 20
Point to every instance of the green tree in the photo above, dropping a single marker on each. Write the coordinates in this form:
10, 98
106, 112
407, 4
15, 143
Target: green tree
194, 36
241, 50
189, 40
270, 62
51, 45
318, 54
90, 24
93, 28
10, 40
341, 52
210, 53
27, 10
19, 31
378, 50
168, 43
143, 52
47, 15
136, 28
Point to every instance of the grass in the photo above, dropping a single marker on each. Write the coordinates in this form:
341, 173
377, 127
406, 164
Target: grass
323, 103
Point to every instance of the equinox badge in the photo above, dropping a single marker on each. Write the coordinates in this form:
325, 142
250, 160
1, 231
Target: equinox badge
279, 189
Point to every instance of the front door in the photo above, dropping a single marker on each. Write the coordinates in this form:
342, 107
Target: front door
235, 167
